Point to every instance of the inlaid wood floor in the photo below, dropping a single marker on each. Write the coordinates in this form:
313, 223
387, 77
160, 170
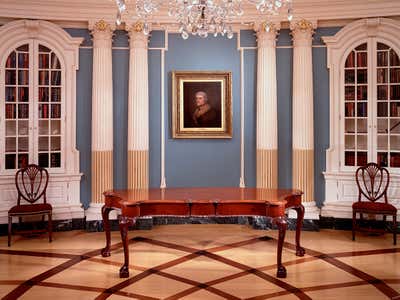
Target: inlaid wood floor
200, 262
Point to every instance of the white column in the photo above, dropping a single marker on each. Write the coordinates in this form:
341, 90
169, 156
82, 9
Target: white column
138, 109
267, 114
102, 114
303, 116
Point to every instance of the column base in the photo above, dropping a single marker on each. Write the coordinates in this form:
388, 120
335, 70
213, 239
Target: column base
312, 212
93, 213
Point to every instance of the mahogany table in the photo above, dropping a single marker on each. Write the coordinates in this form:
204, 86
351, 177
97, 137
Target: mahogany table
186, 202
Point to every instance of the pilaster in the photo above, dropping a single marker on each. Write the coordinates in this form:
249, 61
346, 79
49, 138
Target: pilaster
102, 110
303, 117
267, 120
138, 109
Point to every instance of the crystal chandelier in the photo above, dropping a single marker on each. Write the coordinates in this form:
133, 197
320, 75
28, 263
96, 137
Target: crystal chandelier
203, 17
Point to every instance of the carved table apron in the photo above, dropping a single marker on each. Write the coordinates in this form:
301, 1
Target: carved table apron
186, 202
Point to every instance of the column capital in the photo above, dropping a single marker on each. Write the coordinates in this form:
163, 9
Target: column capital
102, 33
267, 33
302, 32
137, 35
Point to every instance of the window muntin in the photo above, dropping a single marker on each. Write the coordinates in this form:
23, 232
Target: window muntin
356, 107
33, 108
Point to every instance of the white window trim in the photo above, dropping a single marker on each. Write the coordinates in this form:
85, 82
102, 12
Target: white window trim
340, 187
66, 182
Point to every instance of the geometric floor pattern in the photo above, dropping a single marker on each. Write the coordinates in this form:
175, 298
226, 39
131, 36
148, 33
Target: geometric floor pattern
209, 261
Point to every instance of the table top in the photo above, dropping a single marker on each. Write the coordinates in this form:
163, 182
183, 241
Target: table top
203, 195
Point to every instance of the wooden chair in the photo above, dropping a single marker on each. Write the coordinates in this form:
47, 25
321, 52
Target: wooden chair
373, 181
31, 183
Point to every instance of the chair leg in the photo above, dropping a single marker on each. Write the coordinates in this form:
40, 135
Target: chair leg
9, 230
394, 229
354, 225
50, 227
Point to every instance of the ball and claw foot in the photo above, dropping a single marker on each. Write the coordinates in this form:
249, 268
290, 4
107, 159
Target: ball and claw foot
281, 273
300, 251
105, 252
124, 272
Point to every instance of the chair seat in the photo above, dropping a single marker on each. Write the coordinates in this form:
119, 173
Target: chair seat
372, 207
30, 209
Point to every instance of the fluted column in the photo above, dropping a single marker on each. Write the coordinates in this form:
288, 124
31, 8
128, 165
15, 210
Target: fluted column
102, 111
138, 109
267, 119
303, 106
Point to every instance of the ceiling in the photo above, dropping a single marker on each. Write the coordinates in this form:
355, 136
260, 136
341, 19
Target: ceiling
75, 13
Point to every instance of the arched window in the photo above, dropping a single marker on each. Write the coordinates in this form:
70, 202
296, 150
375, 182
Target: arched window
364, 71
33, 86
372, 105
38, 64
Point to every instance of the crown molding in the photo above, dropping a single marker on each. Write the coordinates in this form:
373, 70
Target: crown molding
77, 13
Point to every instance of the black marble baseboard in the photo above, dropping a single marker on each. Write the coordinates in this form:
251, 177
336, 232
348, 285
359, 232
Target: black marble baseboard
261, 223
58, 225
147, 223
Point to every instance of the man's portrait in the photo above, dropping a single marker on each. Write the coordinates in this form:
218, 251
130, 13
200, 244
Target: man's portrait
202, 105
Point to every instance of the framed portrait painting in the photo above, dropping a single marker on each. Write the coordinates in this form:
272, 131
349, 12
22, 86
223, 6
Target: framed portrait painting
201, 104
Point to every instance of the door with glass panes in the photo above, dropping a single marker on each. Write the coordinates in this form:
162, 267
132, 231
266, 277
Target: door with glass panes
371, 120
32, 94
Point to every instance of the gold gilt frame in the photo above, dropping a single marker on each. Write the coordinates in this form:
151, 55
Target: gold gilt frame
221, 103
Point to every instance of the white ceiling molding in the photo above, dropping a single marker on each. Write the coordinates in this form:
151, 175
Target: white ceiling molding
76, 13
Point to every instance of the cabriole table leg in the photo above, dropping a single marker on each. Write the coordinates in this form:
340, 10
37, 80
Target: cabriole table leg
123, 228
282, 226
105, 212
300, 251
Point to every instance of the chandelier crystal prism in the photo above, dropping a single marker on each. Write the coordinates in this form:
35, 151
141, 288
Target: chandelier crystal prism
203, 17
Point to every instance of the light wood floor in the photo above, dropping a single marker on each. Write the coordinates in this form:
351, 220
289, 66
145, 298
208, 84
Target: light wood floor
236, 262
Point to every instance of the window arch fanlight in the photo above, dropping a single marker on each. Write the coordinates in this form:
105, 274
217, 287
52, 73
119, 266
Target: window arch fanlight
364, 69
38, 64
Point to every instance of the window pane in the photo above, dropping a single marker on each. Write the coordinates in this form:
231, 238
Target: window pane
43, 127
349, 126
362, 76
11, 128
382, 59
382, 92
10, 94
349, 142
362, 126
349, 109
362, 158
349, 76
23, 94
23, 160
382, 142
362, 59
43, 94
382, 75
395, 126
395, 142
56, 127
10, 161
43, 77
382, 159
362, 92
44, 160
362, 142
395, 75
395, 92
395, 160
43, 143
55, 160
362, 109
10, 63
23, 127
394, 58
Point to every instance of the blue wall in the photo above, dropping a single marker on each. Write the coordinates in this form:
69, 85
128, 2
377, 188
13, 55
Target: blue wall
203, 162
